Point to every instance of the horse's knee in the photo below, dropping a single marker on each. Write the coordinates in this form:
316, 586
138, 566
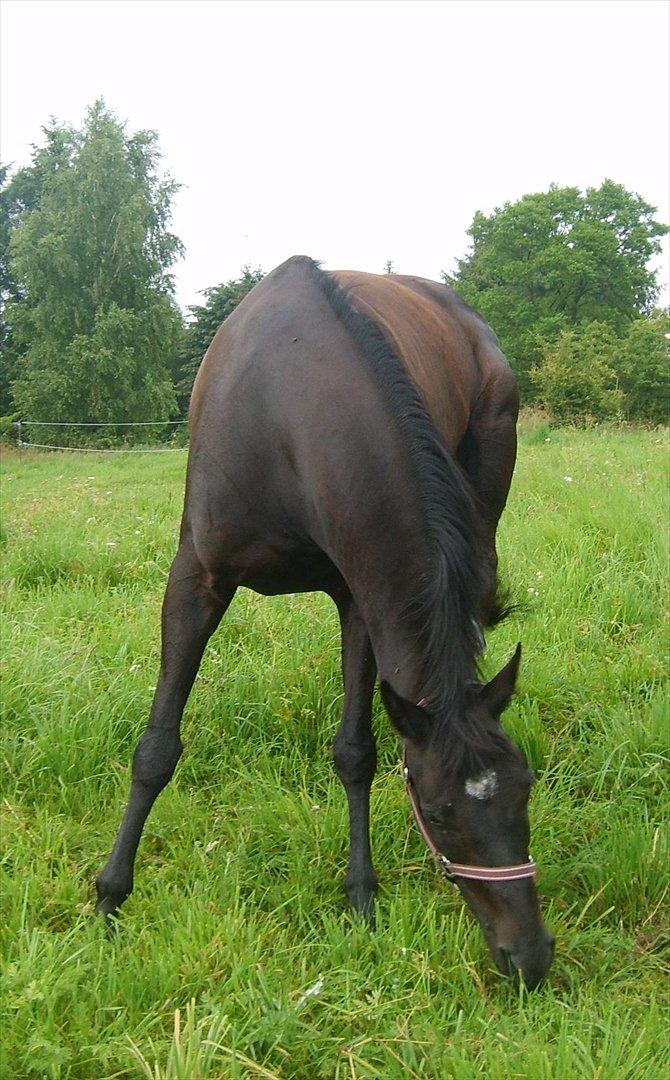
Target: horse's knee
355, 760
156, 757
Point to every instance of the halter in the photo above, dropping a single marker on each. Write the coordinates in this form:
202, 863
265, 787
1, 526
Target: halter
451, 869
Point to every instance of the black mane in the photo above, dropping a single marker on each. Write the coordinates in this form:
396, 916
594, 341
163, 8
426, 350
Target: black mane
448, 608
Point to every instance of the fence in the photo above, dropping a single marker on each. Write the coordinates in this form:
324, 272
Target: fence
22, 424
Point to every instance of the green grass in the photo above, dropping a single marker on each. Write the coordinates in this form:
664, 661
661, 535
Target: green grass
239, 911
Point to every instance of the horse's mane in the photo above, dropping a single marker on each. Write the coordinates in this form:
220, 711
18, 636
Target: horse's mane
448, 605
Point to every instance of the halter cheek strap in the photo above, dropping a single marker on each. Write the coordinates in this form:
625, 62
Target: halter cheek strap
453, 870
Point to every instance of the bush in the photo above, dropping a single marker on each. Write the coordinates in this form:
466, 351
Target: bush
643, 365
577, 379
8, 429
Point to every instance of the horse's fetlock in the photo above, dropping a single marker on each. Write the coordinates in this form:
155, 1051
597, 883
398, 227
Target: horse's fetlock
368, 882
361, 894
112, 893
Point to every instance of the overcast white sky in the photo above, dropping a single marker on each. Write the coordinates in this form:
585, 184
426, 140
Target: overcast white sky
351, 131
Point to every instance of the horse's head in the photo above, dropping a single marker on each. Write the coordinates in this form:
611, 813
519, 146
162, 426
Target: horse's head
477, 816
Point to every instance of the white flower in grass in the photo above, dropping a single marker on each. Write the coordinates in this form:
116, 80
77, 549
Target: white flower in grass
568, 479
134, 667
111, 543
313, 991
90, 478
533, 592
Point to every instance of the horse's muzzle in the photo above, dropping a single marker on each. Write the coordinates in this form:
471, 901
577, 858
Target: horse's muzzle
532, 962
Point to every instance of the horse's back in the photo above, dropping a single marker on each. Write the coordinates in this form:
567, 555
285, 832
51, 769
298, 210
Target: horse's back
282, 332
448, 350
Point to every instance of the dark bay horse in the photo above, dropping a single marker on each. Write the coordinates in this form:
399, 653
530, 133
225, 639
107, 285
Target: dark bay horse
356, 434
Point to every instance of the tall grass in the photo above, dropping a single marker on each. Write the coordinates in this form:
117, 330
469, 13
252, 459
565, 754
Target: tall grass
235, 956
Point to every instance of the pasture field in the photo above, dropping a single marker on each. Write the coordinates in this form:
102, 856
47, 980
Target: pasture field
235, 956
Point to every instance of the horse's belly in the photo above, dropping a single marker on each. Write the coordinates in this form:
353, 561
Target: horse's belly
302, 571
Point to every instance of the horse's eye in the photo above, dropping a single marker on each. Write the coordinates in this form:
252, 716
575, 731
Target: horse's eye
440, 817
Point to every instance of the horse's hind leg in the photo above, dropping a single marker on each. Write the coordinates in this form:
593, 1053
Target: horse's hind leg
355, 754
192, 609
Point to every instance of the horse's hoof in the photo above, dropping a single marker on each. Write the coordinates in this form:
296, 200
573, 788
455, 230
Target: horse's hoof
107, 911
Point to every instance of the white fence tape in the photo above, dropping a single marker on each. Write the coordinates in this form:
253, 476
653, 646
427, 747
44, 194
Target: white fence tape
104, 450
101, 423
20, 442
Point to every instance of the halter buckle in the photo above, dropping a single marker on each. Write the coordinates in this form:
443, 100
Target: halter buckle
445, 867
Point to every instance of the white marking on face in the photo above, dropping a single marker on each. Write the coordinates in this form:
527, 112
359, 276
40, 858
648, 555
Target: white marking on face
483, 786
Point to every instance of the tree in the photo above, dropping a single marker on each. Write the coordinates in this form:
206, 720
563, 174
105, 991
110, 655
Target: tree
8, 292
577, 379
19, 195
643, 365
220, 301
560, 259
90, 252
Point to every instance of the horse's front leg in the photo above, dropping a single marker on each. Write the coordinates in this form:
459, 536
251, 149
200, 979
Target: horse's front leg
355, 754
192, 609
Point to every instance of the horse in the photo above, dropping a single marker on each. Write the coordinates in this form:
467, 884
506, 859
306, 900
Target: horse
355, 434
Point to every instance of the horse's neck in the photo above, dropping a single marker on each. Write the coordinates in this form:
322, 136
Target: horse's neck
386, 594
416, 649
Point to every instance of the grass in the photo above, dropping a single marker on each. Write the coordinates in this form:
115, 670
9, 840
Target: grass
235, 956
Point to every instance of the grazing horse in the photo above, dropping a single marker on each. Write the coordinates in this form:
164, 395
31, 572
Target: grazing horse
356, 434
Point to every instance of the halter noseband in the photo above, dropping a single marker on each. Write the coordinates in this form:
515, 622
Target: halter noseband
453, 870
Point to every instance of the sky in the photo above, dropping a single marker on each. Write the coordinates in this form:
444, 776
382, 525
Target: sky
354, 131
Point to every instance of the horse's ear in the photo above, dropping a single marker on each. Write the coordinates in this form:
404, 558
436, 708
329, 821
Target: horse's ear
497, 694
411, 720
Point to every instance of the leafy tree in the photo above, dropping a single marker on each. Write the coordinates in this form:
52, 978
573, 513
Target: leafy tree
90, 254
643, 364
8, 291
557, 260
220, 301
577, 379
19, 195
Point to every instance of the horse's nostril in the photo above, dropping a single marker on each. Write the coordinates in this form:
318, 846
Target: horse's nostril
505, 963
